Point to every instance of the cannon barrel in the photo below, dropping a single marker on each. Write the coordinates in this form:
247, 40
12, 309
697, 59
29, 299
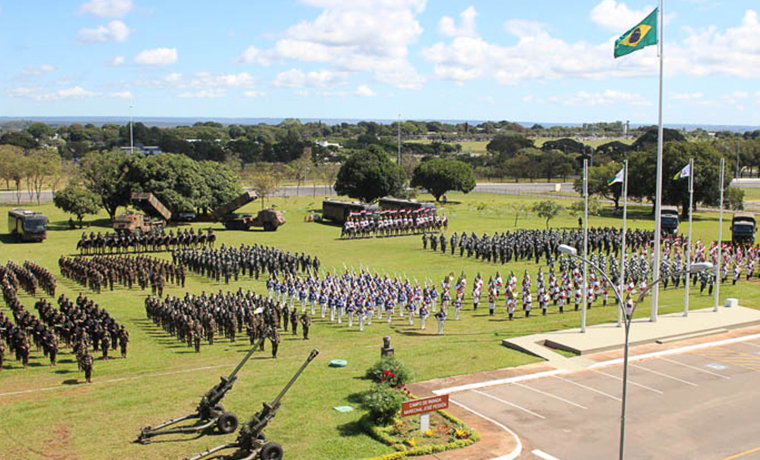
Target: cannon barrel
262, 418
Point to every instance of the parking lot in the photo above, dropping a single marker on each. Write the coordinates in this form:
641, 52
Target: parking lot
701, 404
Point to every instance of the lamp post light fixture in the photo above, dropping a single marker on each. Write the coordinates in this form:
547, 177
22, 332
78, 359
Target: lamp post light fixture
628, 306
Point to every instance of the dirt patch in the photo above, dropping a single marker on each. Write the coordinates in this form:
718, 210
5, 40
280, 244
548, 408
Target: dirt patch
58, 445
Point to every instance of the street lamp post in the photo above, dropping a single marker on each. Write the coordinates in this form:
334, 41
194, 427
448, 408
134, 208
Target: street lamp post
627, 307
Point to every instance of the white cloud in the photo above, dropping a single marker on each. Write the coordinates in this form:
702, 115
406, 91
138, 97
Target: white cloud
114, 31
302, 92
117, 61
121, 95
254, 94
39, 70
687, 96
253, 55
107, 8
365, 91
527, 98
617, 17
735, 52
214, 93
447, 26
37, 93
353, 36
157, 57
295, 78
606, 97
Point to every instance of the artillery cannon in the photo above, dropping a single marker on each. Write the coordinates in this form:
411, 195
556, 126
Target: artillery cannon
209, 412
251, 443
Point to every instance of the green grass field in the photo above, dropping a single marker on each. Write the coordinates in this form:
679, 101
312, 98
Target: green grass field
57, 416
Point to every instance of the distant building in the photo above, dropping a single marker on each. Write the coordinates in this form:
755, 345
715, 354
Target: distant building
144, 149
326, 144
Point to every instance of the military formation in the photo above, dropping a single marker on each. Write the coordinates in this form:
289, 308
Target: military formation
393, 222
229, 263
520, 245
79, 325
122, 241
104, 272
195, 319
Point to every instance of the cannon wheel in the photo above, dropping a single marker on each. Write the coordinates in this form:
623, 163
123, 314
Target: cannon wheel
227, 423
269, 227
271, 451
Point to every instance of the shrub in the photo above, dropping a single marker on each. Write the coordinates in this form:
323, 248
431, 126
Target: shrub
390, 371
383, 403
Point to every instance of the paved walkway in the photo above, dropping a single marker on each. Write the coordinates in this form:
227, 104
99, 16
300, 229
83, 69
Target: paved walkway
606, 337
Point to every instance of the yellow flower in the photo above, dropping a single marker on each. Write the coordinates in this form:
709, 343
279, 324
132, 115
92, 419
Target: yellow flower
411, 442
429, 432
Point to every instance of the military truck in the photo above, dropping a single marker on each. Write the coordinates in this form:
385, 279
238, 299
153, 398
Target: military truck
155, 218
27, 225
743, 227
337, 211
669, 220
270, 219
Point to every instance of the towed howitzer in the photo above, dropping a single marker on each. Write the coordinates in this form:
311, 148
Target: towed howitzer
251, 442
209, 412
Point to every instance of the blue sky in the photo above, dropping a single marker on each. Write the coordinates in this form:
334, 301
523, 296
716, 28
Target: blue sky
543, 60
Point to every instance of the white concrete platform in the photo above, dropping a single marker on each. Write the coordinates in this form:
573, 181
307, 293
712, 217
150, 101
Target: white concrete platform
607, 337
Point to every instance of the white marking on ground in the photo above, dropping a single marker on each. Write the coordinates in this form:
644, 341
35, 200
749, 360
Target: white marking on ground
549, 395
696, 368
589, 388
491, 383
517, 450
542, 454
630, 381
121, 379
752, 344
686, 382
495, 398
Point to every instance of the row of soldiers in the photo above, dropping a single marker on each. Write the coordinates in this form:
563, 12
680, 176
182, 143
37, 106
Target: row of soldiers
533, 244
393, 222
44, 278
196, 317
19, 276
124, 241
103, 272
228, 263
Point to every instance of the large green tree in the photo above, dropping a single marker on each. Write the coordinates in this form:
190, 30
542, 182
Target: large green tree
440, 175
103, 173
548, 210
370, 174
78, 201
597, 182
508, 145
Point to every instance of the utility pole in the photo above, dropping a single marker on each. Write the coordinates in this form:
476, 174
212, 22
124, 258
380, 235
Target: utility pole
398, 158
131, 138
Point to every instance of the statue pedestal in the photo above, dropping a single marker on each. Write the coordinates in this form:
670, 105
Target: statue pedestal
386, 352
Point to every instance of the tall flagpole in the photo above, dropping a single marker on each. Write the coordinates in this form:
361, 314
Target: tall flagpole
585, 246
623, 254
658, 191
718, 266
688, 243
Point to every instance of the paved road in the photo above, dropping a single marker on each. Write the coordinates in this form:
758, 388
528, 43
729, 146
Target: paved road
697, 405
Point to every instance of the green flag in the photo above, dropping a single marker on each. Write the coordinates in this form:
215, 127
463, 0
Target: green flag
642, 35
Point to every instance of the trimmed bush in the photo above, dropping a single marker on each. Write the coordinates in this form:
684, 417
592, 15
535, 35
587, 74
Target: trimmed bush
383, 403
390, 371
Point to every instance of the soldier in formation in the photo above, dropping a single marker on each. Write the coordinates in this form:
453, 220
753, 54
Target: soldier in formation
104, 272
392, 222
227, 263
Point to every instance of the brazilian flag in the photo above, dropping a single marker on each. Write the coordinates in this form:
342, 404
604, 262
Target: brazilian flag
644, 34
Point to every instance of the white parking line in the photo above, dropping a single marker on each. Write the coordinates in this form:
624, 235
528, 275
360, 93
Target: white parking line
588, 388
752, 344
550, 395
542, 454
686, 382
509, 404
696, 368
629, 381
518, 448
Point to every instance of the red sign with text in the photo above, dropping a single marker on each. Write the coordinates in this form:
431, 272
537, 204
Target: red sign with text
424, 405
